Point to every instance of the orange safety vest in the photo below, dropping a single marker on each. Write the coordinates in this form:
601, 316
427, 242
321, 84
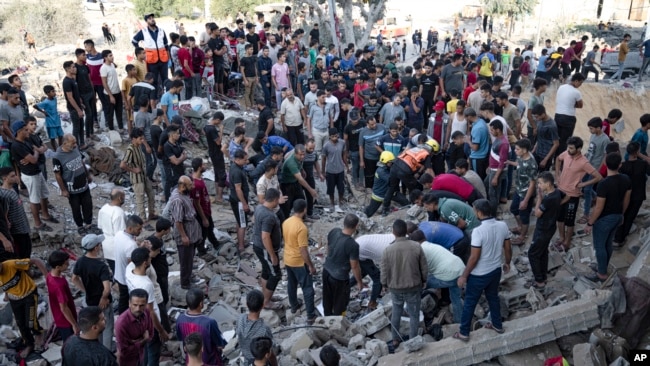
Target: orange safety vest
414, 157
154, 48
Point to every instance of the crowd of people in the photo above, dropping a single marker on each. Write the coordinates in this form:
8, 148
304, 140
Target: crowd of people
444, 134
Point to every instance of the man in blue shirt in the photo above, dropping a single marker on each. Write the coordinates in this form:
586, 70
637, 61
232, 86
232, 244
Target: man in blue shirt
393, 141
169, 101
448, 236
641, 138
644, 50
480, 142
270, 141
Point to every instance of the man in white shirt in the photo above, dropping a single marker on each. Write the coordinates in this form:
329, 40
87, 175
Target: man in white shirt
111, 220
490, 242
124, 245
444, 270
112, 90
292, 116
136, 277
568, 98
371, 248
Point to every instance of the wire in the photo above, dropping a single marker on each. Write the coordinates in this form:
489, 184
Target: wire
300, 327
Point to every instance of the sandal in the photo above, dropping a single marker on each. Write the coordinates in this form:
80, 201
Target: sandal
463, 338
489, 325
583, 220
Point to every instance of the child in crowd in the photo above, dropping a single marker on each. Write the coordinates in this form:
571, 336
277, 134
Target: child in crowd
52, 119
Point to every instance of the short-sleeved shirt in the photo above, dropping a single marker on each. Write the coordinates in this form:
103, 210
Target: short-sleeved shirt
200, 193
368, 138
124, 246
573, 169
49, 106
134, 158
489, 236
127, 85
371, 247
134, 281
334, 154
250, 65
214, 140
613, 189
535, 100
11, 114
176, 150
453, 210
79, 351
394, 145
291, 166
238, 176
441, 233
511, 115
19, 150
280, 73
110, 73
292, 112
266, 221
182, 210
641, 137
442, 264
16, 212
184, 56
481, 137
143, 120
352, 132
637, 170
596, 150
72, 168
566, 98
264, 184
83, 79
296, 236
209, 330
93, 272
550, 206
342, 249
171, 101
14, 280
546, 135
143, 88
70, 86
526, 171
319, 116
452, 77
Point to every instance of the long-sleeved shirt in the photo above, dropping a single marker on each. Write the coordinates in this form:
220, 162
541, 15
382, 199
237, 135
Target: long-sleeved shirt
129, 328
404, 266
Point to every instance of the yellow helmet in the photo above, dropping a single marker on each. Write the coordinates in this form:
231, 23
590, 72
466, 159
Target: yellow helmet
435, 146
386, 157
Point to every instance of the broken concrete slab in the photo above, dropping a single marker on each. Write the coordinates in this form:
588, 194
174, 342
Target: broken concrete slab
53, 353
641, 266
300, 339
531, 356
414, 344
374, 321
356, 342
377, 347
544, 326
586, 354
225, 315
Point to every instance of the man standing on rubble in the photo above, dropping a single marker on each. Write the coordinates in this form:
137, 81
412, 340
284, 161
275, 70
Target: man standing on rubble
342, 256
187, 233
155, 47
267, 239
404, 272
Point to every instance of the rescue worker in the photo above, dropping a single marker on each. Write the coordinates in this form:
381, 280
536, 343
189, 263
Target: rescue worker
154, 42
408, 166
380, 185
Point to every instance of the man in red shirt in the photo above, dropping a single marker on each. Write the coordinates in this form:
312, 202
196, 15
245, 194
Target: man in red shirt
133, 329
286, 17
201, 201
185, 61
62, 304
455, 184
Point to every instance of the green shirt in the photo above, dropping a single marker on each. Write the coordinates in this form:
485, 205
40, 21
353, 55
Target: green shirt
525, 172
289, 169
452, 210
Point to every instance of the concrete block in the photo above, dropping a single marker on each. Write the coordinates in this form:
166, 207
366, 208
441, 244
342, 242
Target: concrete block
297, 341
304, 356
206, 273
414, 344
356, 342
225, 315
377, 347
374, 322
555, 260
384, 335
544, 326
586, 354
337, 325
531, 356
270, 317
53, 353
362, 356
641, 266
215, 293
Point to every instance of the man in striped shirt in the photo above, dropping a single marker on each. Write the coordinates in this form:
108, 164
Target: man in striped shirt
134, 162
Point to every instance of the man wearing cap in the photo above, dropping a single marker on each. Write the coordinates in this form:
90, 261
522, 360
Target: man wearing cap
93, 277
25, 155
73, 178
155, 46
10, 112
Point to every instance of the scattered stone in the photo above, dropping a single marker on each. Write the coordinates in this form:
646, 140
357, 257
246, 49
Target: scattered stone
304, 356
225, 315
586, 354
377, 347
270, 317
298, 340
414, 344
532, 356
356, 342
374, 321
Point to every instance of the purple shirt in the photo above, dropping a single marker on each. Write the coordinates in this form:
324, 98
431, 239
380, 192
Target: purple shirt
280, 73
128, 328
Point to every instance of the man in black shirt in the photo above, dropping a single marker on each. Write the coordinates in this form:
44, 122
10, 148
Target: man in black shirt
92, 276
314, 34
160, 265
547, 206
73, 102
638, 170
253, 38
248, 68
219, 49
85, 349
429, 83
265, 122
351, 137
37, 143
87, 91
214, 134
145, 88
25, 156
173, 157
239, 191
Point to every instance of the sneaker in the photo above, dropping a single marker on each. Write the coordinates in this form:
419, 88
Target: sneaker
82, 231
338, 209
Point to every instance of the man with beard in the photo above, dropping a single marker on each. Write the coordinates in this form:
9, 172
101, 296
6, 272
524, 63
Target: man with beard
92, 276
134, 328
187, 230
155, 46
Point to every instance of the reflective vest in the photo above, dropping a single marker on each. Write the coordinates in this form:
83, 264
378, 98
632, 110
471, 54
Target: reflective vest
154, 49
414, 157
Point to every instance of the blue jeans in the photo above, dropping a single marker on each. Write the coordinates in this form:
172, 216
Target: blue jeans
588, 195
473, 291
266, 89
494, 193
454, 294
603, 233
152, 350
368, 268
357, 172
412, 300
619, 73
300, 276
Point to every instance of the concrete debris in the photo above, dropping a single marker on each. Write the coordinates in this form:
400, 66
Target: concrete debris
586, 354
414, 344
531, 356
225, 315
612, 345
356, 342
641, 266
374, 321
298, 340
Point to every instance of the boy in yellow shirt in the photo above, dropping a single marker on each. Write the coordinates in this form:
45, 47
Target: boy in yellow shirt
127, 83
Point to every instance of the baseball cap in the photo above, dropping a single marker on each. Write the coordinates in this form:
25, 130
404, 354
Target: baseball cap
90, 241
440, 105
147, 16
17, 126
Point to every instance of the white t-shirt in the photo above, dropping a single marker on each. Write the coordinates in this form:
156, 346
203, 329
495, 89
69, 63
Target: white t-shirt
264, 184
291, 112
134, 281
442, 263
110, 73
566, 98
489, 236
372, 246
532, 62
124, 246
110, 220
